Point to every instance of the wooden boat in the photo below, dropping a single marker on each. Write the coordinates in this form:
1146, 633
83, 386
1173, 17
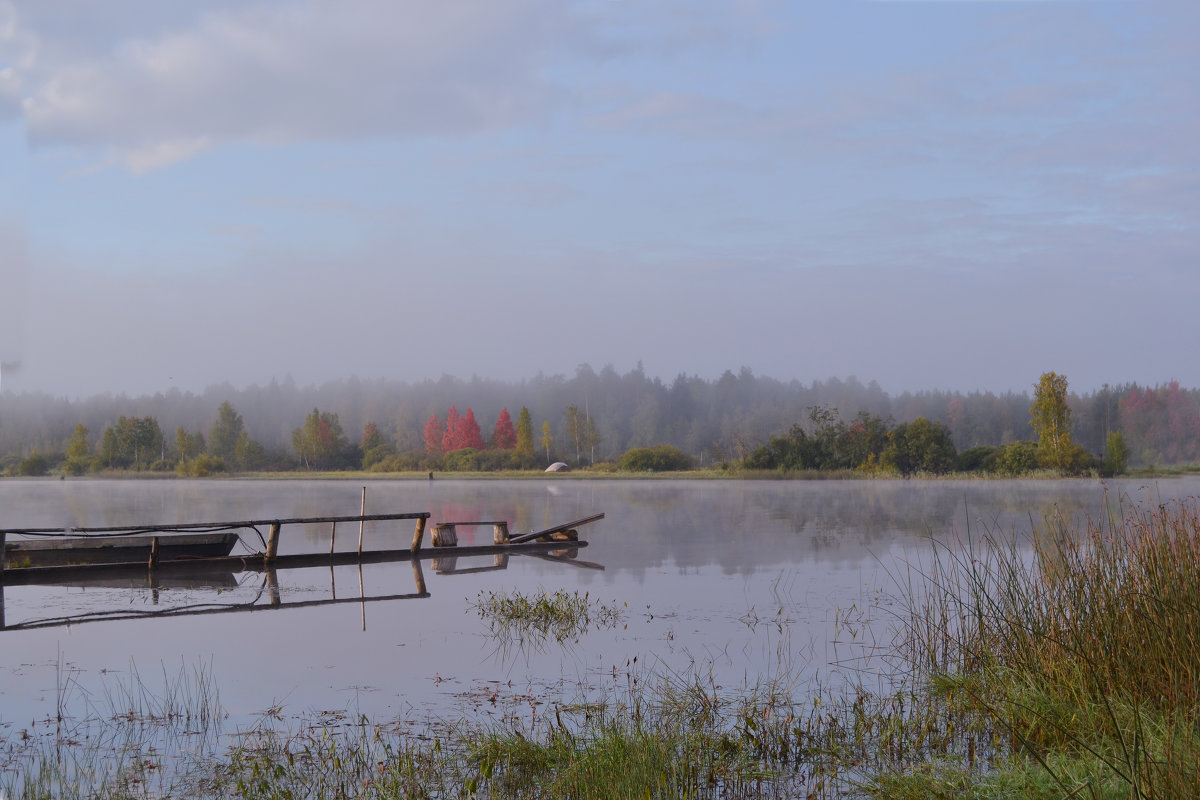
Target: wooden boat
70, 550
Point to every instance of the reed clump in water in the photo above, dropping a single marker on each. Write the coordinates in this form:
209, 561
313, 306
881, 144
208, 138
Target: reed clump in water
1077, 671
560, 615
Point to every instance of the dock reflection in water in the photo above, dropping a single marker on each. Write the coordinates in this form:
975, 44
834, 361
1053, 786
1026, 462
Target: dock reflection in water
202, 585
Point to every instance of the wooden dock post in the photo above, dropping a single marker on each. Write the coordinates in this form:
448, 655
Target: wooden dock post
362, 513
419, 576
445, 535
154, 553
418, 535
272, 543
332, 536
500, 533
273, 587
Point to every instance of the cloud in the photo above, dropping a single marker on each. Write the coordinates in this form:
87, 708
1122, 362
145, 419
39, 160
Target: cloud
317, 69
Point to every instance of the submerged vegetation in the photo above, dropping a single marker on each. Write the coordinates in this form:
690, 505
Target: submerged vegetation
1069, 671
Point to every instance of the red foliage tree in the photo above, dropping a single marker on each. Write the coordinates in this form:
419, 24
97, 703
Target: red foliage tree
505, 436
451, 437
468, 432
434, 435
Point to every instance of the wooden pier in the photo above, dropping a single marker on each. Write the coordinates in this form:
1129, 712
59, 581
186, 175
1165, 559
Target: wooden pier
445, 541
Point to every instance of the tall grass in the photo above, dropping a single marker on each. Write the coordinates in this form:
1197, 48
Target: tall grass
1076, 670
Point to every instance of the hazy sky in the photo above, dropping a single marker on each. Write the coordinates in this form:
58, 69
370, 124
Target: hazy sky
955, 195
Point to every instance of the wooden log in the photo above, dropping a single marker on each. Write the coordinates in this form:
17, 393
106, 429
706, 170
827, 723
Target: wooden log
272, 543
418, 534
154, 553
445, 535
500, 533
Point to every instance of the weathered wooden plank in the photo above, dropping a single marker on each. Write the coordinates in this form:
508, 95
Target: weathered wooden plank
196, 526
525, 537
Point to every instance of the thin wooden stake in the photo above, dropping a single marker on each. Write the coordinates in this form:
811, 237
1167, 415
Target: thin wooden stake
418, 535
362, 598
332, 534
3, 557
154, 553
272, 543
362, 513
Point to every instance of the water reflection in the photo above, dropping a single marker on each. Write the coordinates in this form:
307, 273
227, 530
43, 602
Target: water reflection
736, 575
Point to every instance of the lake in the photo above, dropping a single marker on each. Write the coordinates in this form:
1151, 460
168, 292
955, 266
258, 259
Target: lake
744, 578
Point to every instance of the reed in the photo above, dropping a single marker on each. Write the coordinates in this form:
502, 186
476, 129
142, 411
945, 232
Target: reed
1076, 671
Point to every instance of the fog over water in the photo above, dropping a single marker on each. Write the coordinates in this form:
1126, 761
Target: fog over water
741, 577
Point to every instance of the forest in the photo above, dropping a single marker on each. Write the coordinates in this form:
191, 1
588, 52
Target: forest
590, 419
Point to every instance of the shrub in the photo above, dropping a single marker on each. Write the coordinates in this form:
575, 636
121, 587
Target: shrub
660, 458
33, 466
465, 459
977, 459
1017, 458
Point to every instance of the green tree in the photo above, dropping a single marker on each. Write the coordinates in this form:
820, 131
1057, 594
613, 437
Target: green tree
247, 453
920, 446
547, 439
188, 445
320, 443
575, 429
222, 438
77, 446
371, 437
1052, 421
1116, 454
524, 434
591, 438
132, 442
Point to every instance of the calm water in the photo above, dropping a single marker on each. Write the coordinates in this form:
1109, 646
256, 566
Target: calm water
740, 577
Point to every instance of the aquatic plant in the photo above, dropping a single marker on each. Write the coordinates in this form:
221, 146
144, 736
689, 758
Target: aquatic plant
534, 618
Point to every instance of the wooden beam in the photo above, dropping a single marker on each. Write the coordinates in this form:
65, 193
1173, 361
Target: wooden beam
525, 537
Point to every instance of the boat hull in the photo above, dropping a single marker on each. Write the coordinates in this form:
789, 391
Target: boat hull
117, 549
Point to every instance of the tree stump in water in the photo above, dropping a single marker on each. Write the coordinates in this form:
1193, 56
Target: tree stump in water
444, 535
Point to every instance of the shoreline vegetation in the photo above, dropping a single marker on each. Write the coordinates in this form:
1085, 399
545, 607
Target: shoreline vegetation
1072, 674
685, 428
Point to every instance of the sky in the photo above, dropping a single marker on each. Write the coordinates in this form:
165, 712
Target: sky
932, 195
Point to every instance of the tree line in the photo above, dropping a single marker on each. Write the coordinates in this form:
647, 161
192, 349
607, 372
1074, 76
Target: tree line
590, 418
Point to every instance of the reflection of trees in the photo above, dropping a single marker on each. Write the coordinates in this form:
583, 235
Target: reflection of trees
650, 525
